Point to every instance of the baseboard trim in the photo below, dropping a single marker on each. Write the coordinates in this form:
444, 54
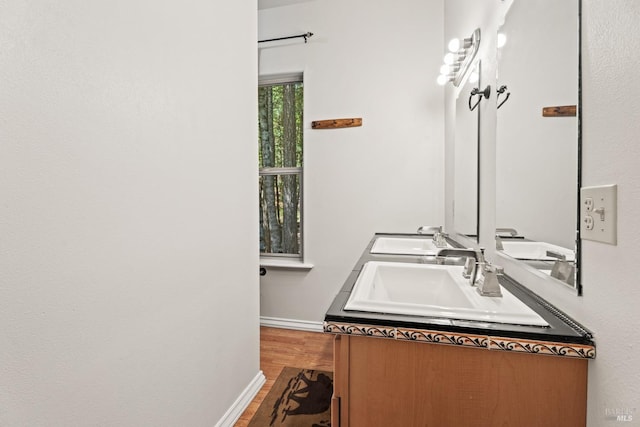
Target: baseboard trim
301, 325
241, 403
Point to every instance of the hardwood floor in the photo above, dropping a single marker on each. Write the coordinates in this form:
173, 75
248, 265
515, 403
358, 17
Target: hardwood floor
287, 347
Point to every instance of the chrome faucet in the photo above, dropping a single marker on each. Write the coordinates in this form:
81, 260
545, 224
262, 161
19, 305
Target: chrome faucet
429, 229
439, 238
474, 257
476, 269
512, 231
562, 269
488, 282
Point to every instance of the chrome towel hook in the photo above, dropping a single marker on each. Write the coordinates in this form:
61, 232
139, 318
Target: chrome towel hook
500, 91
476, 91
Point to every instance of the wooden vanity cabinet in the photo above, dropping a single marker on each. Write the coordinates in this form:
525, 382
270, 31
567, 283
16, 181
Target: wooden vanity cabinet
387, 382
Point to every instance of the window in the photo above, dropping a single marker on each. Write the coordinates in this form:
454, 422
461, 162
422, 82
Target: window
280, 102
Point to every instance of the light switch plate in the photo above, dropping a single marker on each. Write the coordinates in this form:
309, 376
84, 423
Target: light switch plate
599, 213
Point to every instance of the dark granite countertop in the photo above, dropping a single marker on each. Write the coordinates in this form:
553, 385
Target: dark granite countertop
561, 329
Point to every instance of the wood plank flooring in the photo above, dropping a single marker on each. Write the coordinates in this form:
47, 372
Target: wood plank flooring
287, 347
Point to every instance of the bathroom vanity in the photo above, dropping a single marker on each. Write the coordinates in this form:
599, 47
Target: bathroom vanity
436, 369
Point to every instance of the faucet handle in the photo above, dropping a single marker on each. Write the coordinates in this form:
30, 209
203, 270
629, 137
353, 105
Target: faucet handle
439, 239
562, 269
488, 282
495, 269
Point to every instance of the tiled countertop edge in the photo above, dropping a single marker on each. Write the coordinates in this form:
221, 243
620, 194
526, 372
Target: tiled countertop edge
520, 345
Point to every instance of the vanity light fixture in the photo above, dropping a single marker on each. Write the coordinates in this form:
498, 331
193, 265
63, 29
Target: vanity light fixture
455, 44
449, 58
444, 78
458, 60
449, 69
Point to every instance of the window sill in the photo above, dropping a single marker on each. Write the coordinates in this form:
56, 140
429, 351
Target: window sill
287, 264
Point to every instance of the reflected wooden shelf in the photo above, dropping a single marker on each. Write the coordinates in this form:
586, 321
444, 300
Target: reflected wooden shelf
559, 111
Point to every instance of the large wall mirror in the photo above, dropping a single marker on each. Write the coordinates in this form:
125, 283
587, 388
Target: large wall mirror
538, 137
466, 197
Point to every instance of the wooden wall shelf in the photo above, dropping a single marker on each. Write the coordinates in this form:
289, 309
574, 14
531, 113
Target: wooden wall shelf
559, 111
336, 123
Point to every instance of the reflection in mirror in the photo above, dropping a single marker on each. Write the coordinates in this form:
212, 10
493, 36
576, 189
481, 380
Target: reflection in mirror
465, 211
537, 156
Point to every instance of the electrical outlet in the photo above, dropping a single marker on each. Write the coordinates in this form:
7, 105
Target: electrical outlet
598, 213
588, 203
588, 222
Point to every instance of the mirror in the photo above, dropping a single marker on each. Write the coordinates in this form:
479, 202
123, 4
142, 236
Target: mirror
466, 197
537, 160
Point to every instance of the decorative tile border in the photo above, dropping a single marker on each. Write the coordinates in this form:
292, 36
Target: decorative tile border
356, 329
520, 345
542, 347
441, 337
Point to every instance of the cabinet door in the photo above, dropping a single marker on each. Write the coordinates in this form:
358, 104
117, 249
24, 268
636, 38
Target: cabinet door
383, 382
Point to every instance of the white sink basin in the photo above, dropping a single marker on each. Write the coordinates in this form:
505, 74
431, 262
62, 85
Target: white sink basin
404, 246
433, 291
534, 251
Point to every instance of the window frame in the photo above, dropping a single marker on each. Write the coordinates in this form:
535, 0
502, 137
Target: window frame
276, 80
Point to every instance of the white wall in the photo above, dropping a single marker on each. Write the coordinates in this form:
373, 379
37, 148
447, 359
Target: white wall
372, 59
611, 298
128, 285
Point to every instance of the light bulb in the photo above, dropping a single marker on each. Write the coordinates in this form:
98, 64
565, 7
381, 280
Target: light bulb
449, 58
473, 77
445, 69
442, 80
502, 40
454, 45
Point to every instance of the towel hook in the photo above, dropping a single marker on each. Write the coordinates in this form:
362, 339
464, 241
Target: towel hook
476, 91
500, 91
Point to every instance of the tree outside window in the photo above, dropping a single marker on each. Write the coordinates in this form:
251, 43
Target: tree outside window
280, 156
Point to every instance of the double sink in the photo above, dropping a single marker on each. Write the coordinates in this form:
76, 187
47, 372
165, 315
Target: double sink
429, 290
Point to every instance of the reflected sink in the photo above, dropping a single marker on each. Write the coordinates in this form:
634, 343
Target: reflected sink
404, 246
433, 291
534, 251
